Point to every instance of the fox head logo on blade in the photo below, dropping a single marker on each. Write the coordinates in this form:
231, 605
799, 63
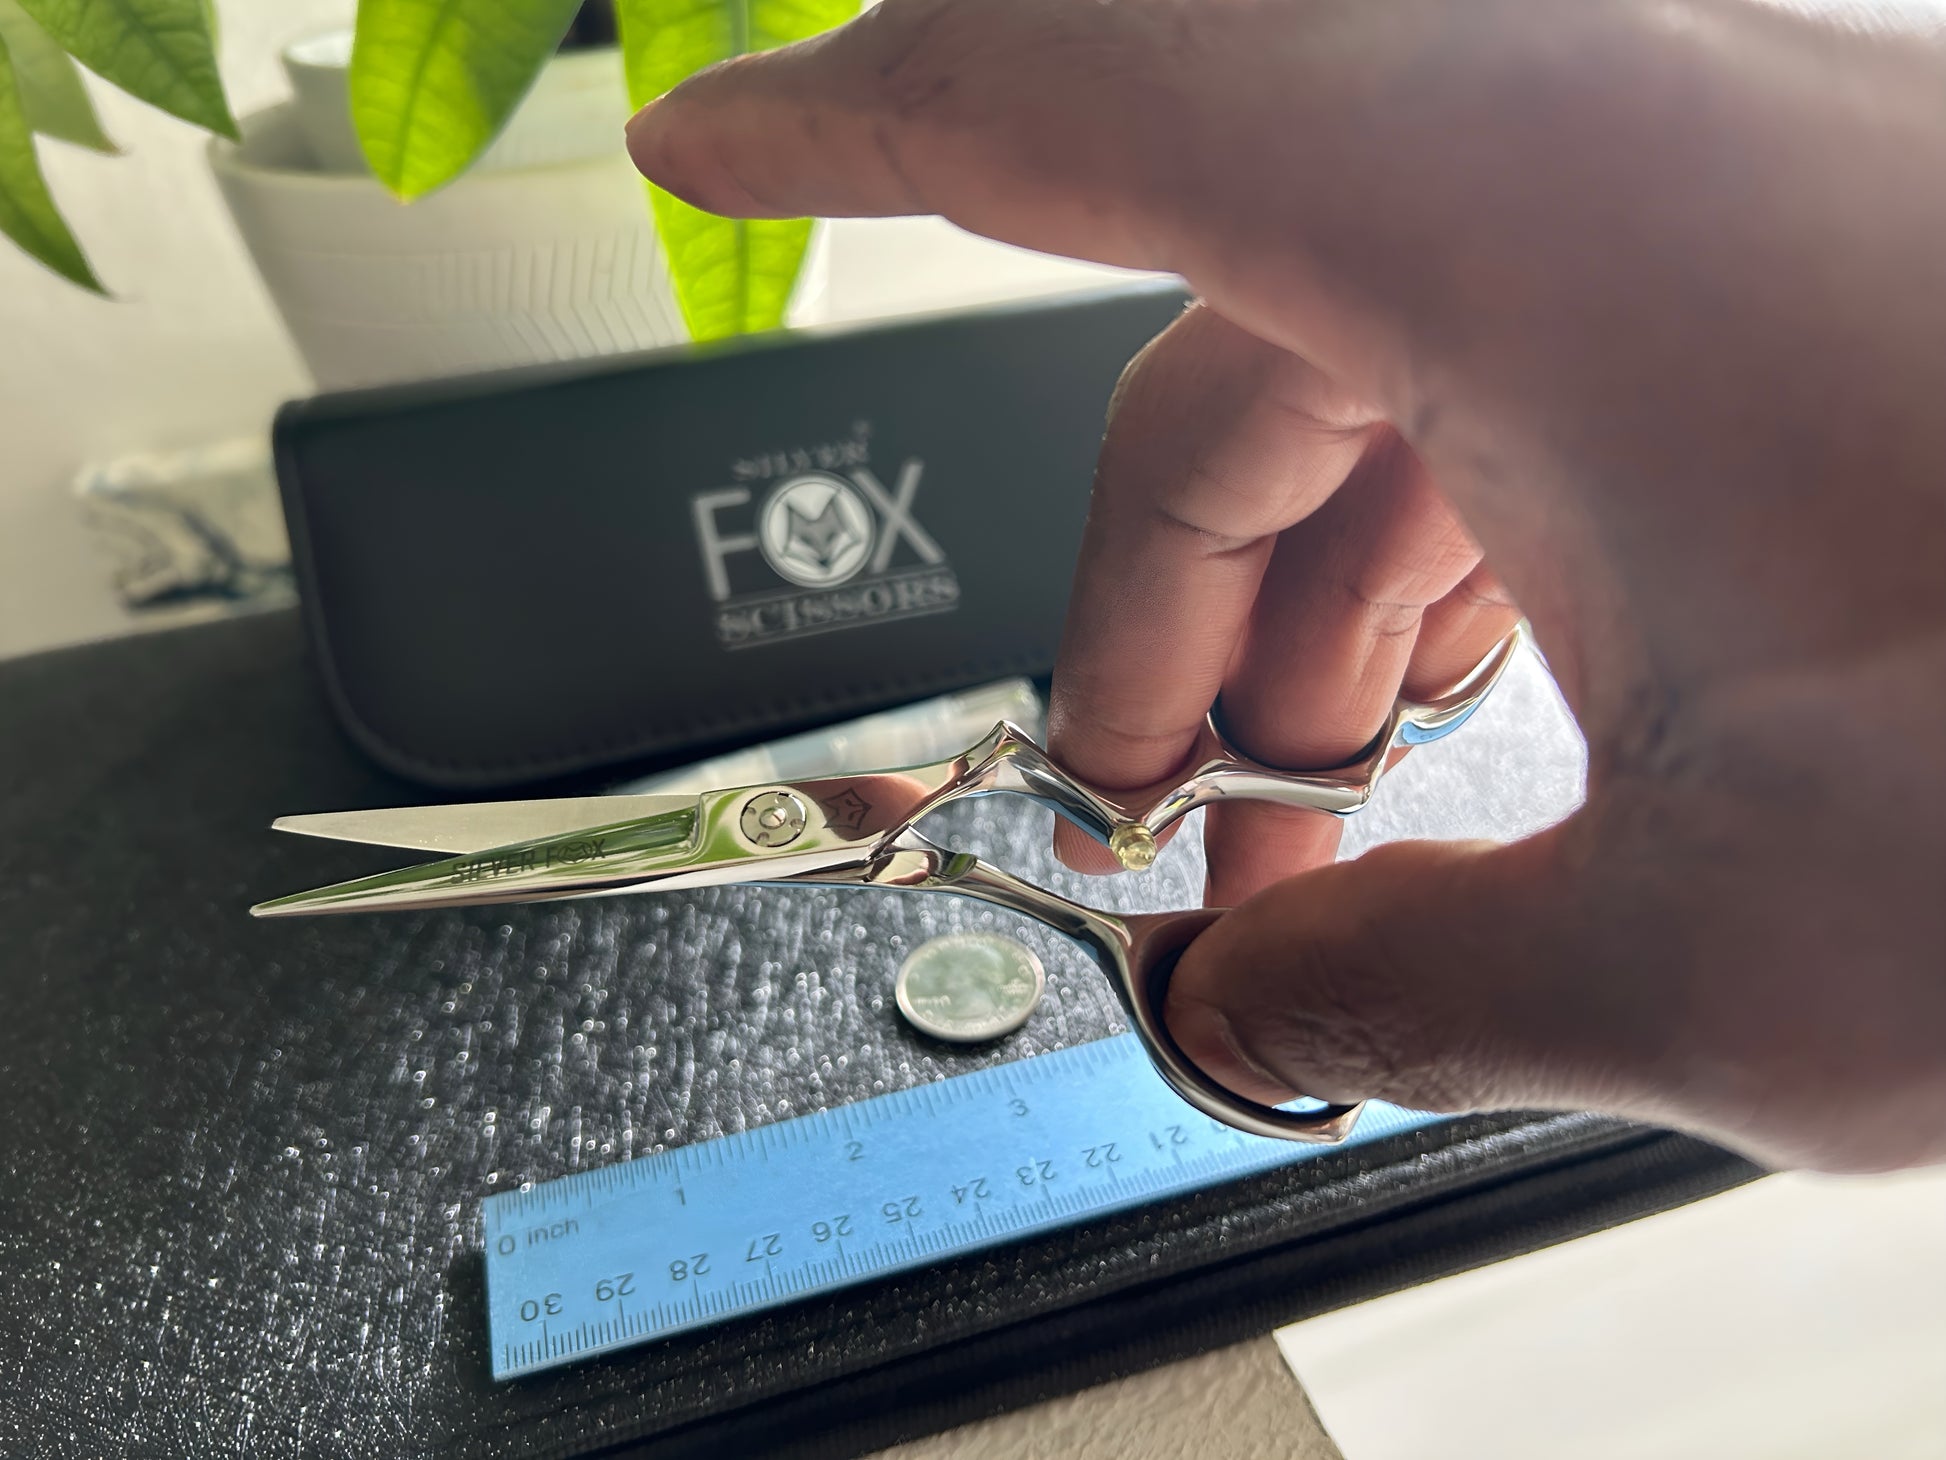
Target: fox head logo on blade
815, 530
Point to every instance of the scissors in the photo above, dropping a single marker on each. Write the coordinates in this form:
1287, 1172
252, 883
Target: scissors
861, 831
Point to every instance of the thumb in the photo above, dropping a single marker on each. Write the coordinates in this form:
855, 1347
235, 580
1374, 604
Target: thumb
1435, 975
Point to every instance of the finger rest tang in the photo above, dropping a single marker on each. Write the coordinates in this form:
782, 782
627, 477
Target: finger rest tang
1016, 763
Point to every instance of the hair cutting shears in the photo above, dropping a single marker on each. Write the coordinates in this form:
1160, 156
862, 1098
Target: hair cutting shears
861, 831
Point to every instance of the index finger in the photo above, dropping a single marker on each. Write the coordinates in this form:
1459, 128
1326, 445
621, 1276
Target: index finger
1216, 443
974, 111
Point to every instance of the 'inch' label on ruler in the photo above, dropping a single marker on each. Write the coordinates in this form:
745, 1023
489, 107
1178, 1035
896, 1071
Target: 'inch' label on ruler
629, 1253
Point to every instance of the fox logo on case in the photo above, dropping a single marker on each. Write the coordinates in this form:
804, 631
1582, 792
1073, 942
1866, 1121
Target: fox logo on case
843, 550
815, 530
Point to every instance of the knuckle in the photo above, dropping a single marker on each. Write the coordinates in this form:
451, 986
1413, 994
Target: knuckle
1315, 404
908, 46
1385, 618
1482, 589
1202, 496
922, 53
1352, 1027
1411, 568
1227, 402
1366, 1009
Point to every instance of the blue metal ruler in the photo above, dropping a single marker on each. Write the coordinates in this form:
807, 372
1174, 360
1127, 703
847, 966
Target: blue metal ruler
630, 1253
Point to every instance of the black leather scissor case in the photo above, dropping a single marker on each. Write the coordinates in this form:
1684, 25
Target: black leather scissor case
532, 574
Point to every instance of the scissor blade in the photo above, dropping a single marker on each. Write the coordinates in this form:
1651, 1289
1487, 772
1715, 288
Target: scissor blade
481, 826
584, 863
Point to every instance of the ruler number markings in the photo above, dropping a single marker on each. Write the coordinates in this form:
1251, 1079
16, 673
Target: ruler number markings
843, 1196
532, 1309
1036, 1173
1105, 1156
977, 1189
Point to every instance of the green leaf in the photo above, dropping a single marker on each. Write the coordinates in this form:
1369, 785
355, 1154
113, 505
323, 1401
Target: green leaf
51, 92
434, 81
731, 275
159, 51
27, 212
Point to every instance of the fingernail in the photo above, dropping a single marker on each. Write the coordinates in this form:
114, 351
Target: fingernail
640, 120
1206, 1035
646, 141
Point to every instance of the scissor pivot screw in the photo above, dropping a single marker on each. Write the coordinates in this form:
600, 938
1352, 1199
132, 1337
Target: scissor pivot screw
1133, 845
773, 819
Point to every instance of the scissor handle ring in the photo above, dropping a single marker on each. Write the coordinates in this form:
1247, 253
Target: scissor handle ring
1147, 962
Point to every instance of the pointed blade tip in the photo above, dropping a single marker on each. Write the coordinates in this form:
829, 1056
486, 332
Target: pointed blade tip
457, 830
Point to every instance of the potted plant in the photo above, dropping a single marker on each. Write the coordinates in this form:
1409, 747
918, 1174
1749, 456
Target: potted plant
525, 237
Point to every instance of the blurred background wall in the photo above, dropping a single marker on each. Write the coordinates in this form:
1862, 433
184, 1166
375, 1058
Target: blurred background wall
186, 350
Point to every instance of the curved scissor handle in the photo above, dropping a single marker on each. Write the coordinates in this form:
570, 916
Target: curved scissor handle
1225, 773
1155, 943
1130, 823
1139, 953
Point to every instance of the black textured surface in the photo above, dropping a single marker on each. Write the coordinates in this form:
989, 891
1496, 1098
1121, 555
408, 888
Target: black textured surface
244, 1160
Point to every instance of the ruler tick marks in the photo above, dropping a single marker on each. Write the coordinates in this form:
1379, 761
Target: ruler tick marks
937, 1170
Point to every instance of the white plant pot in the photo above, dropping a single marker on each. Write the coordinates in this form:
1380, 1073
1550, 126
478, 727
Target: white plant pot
573, 113
503, 267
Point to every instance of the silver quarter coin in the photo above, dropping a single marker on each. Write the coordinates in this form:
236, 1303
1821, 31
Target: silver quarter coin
969, 987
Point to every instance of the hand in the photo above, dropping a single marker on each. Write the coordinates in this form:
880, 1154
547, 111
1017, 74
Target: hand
1644, 301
